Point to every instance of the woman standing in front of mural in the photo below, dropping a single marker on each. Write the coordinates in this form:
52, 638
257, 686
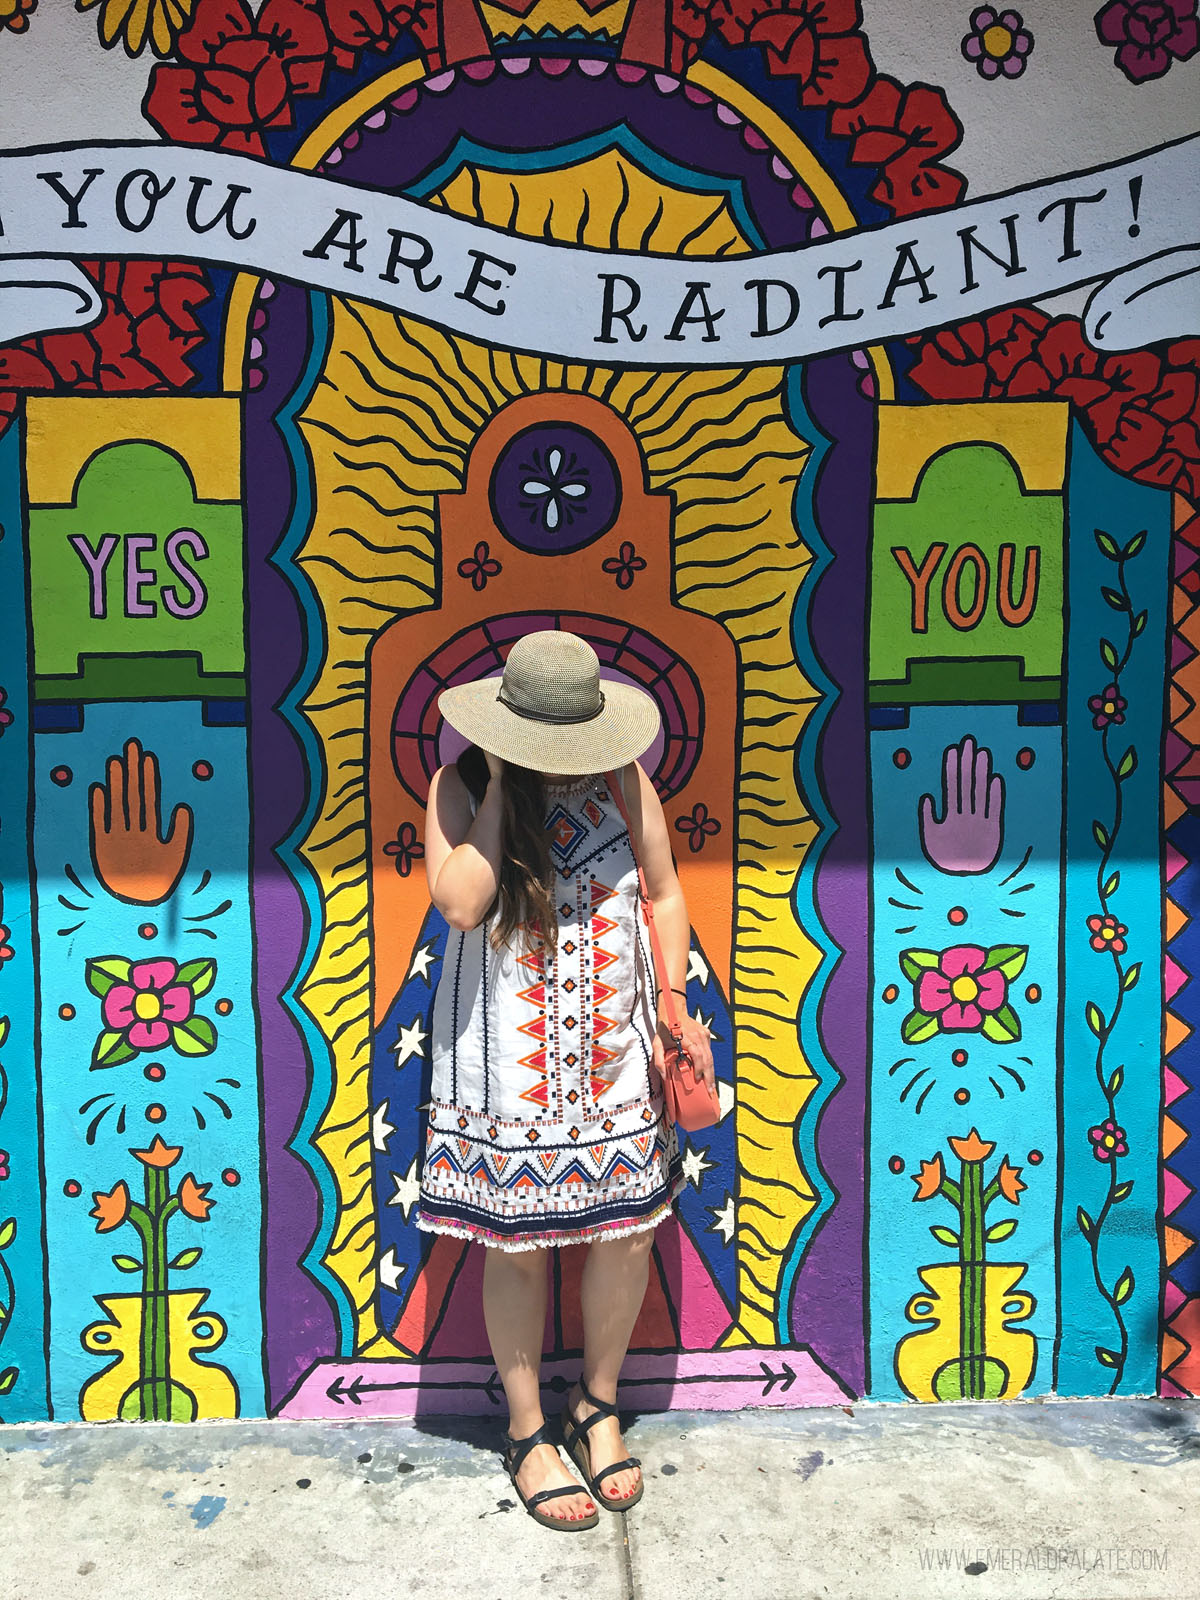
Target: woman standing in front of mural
546, 1121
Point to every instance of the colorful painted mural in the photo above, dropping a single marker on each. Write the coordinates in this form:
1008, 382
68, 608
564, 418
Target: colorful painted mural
843, 391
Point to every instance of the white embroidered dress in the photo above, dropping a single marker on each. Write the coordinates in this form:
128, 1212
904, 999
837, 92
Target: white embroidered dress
546, 1121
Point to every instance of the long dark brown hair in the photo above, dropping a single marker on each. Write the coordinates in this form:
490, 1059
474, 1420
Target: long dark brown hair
524, 903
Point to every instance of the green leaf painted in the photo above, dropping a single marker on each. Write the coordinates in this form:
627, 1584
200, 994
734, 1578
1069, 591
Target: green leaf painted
914, 962
195, 1037
1100, 834
1002, 1027
917, 1027
1127, 765
3, 1029
1139, 622
8, 1377
198, 975
8, 1232
1001, 1230
1123, 1191
1124, 1286
1115, 599
1111, 884
112, 1049
1131, 975
944, 1235
1115, 1079
126, 1264
1009, 959
1107, 1358
1108, 545
1086, 1225
1095, 1018
101, 973
1108, 654
1135, 545
187, 1258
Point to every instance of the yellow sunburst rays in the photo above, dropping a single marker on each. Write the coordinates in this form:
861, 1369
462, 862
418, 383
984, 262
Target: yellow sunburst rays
158, 22
389, 427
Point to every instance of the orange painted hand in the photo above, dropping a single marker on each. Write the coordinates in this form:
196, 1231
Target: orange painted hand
132, 858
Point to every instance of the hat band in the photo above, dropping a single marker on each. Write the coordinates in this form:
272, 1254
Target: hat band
549, 716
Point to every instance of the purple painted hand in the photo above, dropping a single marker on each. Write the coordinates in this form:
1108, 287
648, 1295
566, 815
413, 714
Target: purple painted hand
969, 835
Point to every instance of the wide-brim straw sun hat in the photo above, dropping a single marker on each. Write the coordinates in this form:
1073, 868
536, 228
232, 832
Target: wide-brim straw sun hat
549, 710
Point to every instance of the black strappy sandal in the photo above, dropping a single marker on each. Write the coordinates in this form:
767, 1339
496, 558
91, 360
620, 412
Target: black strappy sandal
514, 1455
576, 1443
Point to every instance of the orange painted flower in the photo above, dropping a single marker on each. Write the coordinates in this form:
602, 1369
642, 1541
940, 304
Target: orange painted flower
929, 1179
1009, 1179
192, 1199
972, 1148
159, 1154
111, 1209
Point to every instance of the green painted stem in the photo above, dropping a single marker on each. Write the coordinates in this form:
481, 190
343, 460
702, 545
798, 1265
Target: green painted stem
971, 1291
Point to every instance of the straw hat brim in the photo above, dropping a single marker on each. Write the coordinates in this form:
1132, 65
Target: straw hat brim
623, 730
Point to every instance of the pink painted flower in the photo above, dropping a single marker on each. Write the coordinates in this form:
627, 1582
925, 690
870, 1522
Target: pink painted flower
998, 43
6, 715
1107, 934
1107, 707
958, 992
6, 950
143, 1008
1108, 1141
3, 1164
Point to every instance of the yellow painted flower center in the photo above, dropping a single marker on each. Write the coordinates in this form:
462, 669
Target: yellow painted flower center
1108, 933
1108, 1142
147, 1005
998, 41
964, 989
1109, 707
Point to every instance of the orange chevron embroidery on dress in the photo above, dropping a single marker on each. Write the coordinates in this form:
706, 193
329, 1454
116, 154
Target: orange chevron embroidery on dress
601, 992
535, 1028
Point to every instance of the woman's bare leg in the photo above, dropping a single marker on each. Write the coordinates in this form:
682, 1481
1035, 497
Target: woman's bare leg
611, 1293
514, 1310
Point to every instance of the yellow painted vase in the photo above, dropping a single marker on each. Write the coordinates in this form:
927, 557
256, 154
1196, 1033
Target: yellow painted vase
192, 1388
933, 1362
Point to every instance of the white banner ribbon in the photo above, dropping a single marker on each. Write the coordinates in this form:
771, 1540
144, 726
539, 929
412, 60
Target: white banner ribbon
178, 202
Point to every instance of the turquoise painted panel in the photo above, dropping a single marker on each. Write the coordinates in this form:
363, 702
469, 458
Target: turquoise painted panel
197, 1089
948, 1079
22, 1258
1113, 995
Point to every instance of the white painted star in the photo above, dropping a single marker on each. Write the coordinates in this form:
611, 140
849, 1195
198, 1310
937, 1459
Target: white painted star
695, 1165
408, 1190
707, 1022
391, 1270
411, 1042
697, 967
381, 1128
422, 960
723, 1215
725, 1096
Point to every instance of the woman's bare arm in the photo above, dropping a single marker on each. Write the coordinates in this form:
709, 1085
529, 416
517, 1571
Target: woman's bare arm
462, 852
653, 844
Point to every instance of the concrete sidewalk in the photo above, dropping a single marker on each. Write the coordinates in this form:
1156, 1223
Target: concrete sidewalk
1086, 1499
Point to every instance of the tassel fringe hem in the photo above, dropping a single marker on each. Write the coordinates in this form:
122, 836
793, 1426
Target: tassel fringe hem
547, 1241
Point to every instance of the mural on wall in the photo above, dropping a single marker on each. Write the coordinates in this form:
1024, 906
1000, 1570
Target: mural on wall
668, 325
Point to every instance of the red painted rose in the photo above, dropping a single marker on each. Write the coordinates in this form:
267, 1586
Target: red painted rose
905, 132
817, 42
242, 74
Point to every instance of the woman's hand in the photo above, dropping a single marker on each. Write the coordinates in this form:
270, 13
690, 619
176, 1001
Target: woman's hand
696, 1041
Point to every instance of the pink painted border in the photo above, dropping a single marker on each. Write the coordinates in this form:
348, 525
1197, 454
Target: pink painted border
706, 1380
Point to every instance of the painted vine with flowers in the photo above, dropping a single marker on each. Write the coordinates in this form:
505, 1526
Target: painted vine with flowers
1107, 937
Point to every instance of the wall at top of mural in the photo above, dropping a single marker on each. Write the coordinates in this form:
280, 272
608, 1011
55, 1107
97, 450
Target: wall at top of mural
922, 616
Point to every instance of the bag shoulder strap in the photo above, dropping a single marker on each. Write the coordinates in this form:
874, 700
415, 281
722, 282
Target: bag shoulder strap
647, 907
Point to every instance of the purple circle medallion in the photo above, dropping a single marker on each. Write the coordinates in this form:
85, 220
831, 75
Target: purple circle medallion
554, 488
